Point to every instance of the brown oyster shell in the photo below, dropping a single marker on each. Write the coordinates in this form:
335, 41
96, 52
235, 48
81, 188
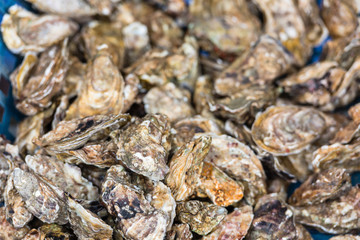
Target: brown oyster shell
340, 17
73, 134
49, 232
283, 21
261, 64
337, 155
24, 31
273, 219
234, 226
179, 232
144, 146
169, 100
186, 166
102, 92
225, 28
337, 216
87, 225
134, 215
322, 186
285, 130
7, 231
202, 217
219, 187
239, 162
63, 175
34, 92
42, 199
345, 237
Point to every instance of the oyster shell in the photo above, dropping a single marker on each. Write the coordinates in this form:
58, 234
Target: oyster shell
102, 92
224, 28
322, 186
219, 187
169, 100
324, 85
134, 215
48, 232
179, 232
7, 231
340, 17
73, 134
261, 64
62, 175
104, 36
144, 146
245, 104
43, 200
186, 166
337, 216
202, 217
345, 237
273, 219
234, 226
337, 155
24, 31
285, 130
184, 129
87, 225
68, 8
283, 21
239, 162
35, 92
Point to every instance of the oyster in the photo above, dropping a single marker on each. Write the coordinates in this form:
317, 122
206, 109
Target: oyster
337, 155
103, 91
48, 232
324, 85
302, 232
100, 154
136, 41
73, 134
24, 31
340, 17
42, 199
169, 100
322, 186
351, 131
35, 92
336, 216
286, 130
17, 213
186, 166
68, 8
7, 231
164, 32
245, 104
202, 217
172, 7
239, 162
104, 36
284, 22
278, 186
273, 219
87, 225
219, 187
134, 215
179, 232
234, 226
224, 27
315, 28
75, 78
261, 64
184, 129
32, 128
202, 94
144, 146
62, 175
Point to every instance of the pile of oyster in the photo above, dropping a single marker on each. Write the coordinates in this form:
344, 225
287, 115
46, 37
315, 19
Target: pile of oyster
160, 119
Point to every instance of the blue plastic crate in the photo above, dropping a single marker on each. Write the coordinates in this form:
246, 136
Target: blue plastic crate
9, 115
